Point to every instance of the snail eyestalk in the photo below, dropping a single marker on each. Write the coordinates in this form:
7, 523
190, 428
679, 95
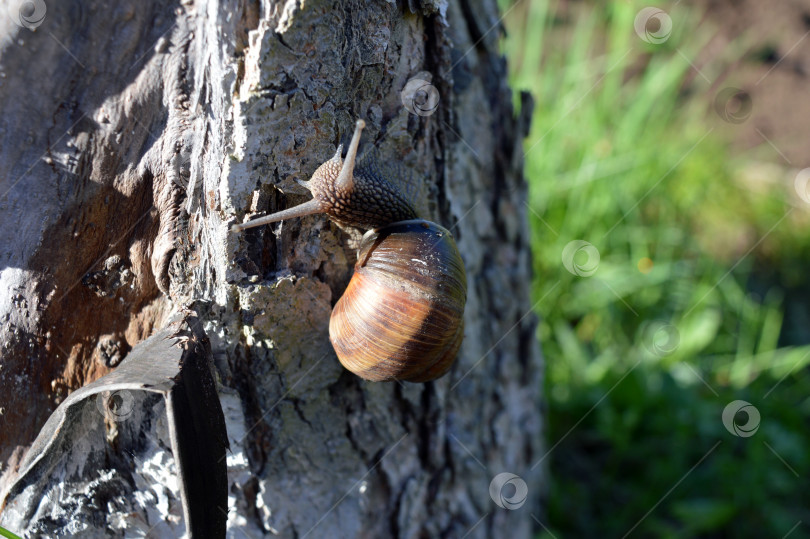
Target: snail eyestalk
345, 179
307, 208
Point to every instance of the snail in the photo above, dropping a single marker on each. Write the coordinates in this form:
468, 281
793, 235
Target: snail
401, 316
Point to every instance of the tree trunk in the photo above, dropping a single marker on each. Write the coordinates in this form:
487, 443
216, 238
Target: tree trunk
132, 135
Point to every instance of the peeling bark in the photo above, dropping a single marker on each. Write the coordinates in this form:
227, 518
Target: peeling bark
150, 129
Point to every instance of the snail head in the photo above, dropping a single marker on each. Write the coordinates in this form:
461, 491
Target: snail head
349, 195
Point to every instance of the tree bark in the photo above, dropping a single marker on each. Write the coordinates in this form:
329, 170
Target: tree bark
133, 134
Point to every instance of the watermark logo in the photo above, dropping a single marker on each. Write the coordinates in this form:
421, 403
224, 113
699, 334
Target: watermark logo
653, 25
572, 258
733, 105
27, 13
420, 97
117, 405
745, 426
508, 491
661, 339
801, 185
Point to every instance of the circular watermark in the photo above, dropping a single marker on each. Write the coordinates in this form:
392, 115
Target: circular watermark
801, 184
661, 339
27, 13
744, 427
733, 105
420, 97
572, 259
653, 25
117, 405
508, 491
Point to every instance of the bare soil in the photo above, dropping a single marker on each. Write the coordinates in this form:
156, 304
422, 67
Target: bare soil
762, 48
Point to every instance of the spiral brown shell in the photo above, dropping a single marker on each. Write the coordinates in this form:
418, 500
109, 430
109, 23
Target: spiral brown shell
401, 317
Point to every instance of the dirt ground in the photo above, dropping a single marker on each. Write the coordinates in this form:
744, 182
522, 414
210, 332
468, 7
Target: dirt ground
771, 38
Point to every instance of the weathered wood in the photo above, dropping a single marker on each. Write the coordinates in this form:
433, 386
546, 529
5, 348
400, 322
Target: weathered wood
175, 363
192, 116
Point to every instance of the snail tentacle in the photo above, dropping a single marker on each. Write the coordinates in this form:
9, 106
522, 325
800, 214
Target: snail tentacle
307, 208
345, 180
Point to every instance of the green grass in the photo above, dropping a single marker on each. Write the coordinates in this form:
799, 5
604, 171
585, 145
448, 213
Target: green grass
684, 311
5, 533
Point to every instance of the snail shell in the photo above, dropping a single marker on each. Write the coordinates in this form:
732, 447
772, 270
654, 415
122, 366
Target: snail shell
401, 317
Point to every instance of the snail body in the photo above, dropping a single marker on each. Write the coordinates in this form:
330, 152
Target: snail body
401, 316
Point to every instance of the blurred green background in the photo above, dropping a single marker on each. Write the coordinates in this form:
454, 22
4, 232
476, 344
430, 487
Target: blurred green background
689, 294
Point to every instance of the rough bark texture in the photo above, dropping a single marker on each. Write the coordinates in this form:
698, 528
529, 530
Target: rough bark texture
175, 363
132, 134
